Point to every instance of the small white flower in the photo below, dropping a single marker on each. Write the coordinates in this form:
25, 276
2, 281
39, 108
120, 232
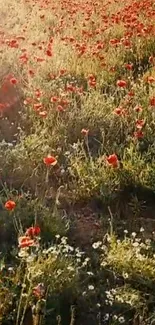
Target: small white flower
126, 275
97, 244
59, 272
64, 240
121, 320
135, 244
133, 234
141, 229
90, 273
23, 285
87, 259
91, 287
70, 268
106, 317
148, 242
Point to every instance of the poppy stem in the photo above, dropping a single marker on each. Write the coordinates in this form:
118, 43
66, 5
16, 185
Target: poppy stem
111, 221
47, 176
20, 300
87, 146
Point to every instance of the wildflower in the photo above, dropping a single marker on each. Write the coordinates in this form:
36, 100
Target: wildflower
151, 59
140, 124
138, 134
60, 108
54, 99
33, 231
114, 41
37, 106
131, 93
113, 160
31, 72
62, 72
90, 273
13, 81
84, 132
92, 80
118, 111
125, 275
97, 244
129, 66
106, 317
152, 101
121, 319
91, 287
121, 83
150, 80
43, 113
49, 53
50, 161
25, 241
138, 108
10, 205
39, 290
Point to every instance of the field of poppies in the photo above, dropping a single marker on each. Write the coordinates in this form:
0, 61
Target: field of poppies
77, 162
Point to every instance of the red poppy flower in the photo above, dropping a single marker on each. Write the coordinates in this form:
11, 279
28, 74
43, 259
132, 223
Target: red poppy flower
2, 106
33, 231
151, 59
37, 106
138, 108
118, 111
92, 83
31, 72
62, 72
10, 205
60, 108
49, 53
13, 81
113, 160
150, 80
121, 83
84, 132
25, 241
138, 134
54, 99
39, 290
43, 114
114, 41
39, 59
140, 124
50, 161
129, 66
152, 101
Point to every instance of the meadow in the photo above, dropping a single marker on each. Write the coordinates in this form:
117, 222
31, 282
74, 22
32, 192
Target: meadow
77, 162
